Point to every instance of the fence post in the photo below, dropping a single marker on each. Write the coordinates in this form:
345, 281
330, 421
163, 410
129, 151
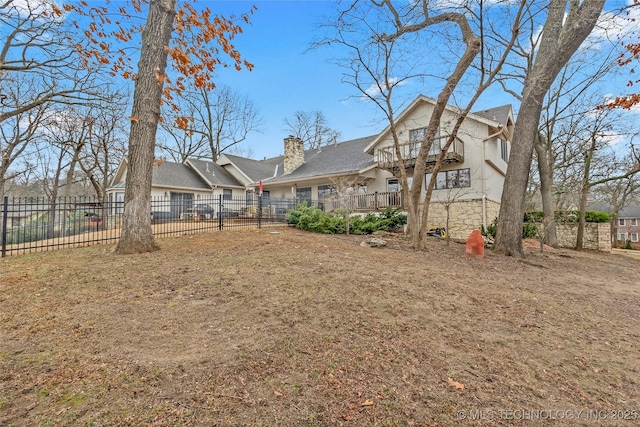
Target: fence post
376, 200
259, 210
5, 211
220, 223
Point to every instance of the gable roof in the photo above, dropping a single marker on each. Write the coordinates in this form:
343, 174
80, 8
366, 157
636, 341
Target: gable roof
335, 159
169, 174
213, 174
486, 118
500, 115
254, 170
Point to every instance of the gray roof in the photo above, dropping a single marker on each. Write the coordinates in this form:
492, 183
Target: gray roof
256, 169
213, 173
630, 212
497, 114
345, 157
170, 174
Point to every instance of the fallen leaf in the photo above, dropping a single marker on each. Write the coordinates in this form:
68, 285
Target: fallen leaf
455, 384
277, 393
367, 403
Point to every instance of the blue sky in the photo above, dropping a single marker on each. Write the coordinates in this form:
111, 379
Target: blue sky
288, 78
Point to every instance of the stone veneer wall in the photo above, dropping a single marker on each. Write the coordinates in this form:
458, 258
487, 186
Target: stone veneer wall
597, 236
464, 216
293, 153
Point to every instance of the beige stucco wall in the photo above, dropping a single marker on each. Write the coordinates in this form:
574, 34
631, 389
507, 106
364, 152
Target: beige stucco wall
473, 133
464, 216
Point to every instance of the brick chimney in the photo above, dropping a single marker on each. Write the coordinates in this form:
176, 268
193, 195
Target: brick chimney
293, 153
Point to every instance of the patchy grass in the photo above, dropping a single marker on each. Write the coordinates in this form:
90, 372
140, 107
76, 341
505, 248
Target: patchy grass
295, 329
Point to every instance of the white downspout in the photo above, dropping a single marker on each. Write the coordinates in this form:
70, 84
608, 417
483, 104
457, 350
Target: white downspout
484, 176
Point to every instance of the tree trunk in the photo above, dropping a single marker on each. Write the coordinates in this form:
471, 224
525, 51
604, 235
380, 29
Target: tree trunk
584, 192
137, 236
545, 170
563, 32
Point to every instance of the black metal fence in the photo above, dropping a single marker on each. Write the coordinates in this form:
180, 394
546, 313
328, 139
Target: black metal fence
40, 224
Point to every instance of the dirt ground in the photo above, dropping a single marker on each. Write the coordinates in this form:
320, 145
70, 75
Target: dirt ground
279, 327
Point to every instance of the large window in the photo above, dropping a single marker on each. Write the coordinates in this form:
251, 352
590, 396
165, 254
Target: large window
416, 138
621, 221
227, 194
622, 237
304, 195
634, 222
458, 178
634, 237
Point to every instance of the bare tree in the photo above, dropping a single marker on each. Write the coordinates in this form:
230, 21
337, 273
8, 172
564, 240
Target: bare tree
218, 120
36, 44
19, 131
311, 127
383, 59
567, 24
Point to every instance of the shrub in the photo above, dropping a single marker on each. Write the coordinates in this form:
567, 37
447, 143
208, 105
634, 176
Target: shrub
490, 231
628, 245
529, 230
563, 216
314, 219
397, 219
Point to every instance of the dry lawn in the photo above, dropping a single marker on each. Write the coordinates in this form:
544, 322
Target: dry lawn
257, 328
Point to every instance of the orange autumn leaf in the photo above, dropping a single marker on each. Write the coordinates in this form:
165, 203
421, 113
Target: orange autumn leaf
277, 393
454, 383
367, 403
134, 119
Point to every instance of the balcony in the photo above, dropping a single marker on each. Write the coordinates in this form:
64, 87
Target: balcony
364, 202
388, 160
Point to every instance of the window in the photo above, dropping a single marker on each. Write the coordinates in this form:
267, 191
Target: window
416, 138
634, 222
304, 195
634, 237
622, 237
325, 191
393, 185
458, 178
227, 194
504, 150
621, 221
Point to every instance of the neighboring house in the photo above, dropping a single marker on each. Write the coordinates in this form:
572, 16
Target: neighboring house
628, 226
360, 174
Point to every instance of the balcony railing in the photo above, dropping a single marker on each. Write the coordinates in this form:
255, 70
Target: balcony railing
364, 202
388, 160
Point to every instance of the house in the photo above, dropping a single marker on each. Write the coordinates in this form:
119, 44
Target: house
361, 174
628, 226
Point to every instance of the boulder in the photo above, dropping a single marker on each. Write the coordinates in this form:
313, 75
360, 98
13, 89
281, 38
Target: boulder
373, 242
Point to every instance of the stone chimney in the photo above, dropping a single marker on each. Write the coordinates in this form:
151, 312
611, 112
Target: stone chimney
293, 153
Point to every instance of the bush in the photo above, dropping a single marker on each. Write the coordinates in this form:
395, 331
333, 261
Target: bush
314, 219
628, 245
529, 230
564, 216
490, 231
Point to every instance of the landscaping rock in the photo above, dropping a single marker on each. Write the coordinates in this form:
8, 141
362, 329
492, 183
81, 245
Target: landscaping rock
373, 242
